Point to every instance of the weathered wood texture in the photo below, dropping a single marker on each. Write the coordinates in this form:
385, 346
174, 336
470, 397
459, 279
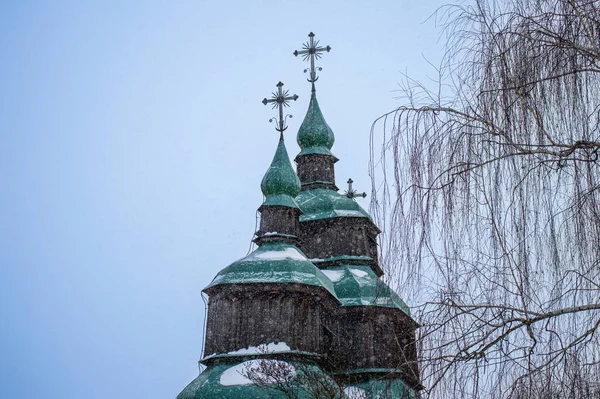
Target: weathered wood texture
257, 314
315, 169
325, 238
279, 219
375, 338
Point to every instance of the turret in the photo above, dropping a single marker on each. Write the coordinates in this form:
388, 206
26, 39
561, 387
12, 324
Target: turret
315, 160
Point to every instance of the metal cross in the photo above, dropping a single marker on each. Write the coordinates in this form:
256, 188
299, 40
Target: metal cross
353, 193
280, 99
311, 50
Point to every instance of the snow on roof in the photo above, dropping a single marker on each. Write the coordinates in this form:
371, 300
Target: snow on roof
334, 275
286, 253
356, 393
262, 349
321, 203
345, 212
271, 347
358, 285
359, 273
273, 262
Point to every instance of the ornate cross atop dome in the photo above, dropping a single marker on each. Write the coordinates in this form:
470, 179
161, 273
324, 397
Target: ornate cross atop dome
311, 51
280, 99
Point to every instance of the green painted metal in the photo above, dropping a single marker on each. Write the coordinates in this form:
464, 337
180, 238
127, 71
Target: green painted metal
280, 200
274, 262
341, 259
280, 184
323, 203
378, 388
359, 286
314, 135
225, 380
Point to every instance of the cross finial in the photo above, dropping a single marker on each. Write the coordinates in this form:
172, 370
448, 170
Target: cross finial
311, 51
280, 99
353, 193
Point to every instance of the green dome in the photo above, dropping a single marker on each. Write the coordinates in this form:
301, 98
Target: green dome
273, 262
315, 136
322, 203
227, 380
280, 184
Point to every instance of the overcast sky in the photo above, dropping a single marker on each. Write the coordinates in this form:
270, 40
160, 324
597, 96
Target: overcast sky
133, 142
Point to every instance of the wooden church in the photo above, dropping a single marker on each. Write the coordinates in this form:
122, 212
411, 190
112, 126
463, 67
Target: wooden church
307, 315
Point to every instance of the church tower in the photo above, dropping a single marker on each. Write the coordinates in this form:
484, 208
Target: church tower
374, 336
307, 313
270, 308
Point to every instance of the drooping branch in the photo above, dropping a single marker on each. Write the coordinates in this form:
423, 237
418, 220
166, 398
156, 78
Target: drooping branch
487, 191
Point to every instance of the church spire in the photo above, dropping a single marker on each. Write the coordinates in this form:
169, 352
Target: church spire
280, 184
315, 138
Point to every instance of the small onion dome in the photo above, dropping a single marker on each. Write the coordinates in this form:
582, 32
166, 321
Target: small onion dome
280, 184
315, 136
229, 379
322, 203
273, 262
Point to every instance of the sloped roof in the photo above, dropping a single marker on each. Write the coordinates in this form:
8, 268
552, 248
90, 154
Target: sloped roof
357, 285
381, 389
323, 203
273, 262
228, 380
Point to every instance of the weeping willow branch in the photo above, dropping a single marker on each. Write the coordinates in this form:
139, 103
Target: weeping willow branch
487, 191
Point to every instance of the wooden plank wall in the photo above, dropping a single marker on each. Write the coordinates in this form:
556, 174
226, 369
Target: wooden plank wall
239, 320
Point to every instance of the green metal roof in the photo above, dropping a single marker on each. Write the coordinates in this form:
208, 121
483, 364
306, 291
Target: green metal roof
274, 262
280, 184
359, 286
280, 200
314, 135
323, 203
227, 380
381, 389
341, 259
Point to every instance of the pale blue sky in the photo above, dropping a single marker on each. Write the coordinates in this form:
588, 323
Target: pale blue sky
133, 142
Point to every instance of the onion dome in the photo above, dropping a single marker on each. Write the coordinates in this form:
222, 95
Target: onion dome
273, 262
315, 136
280, 184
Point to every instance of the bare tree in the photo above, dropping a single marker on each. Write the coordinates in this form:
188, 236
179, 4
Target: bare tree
301, 380
487, 190
576, 383
304, 380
